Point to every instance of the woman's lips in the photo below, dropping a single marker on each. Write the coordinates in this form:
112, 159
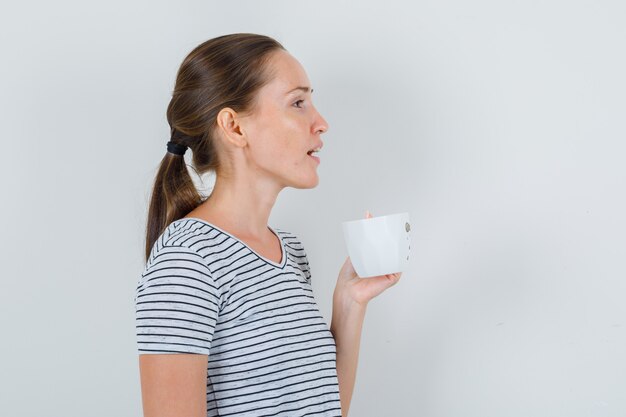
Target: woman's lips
316, 158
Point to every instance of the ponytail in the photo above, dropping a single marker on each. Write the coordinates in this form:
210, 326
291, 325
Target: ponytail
173, 196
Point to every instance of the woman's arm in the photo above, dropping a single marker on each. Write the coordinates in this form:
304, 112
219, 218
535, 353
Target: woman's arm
350, 299
173, 385
346, 325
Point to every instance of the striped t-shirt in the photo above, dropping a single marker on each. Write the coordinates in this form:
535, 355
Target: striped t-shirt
270, 352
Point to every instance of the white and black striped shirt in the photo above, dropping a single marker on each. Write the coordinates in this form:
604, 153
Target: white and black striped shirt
270, 352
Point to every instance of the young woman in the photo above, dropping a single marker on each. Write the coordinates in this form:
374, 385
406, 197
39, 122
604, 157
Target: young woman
227, 324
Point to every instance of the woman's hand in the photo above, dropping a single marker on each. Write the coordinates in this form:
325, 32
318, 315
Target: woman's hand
353, 288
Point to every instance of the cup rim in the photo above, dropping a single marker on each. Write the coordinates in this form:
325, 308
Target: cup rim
402, 214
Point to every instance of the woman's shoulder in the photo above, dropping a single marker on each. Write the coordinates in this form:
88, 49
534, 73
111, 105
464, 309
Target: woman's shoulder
178, 237
180, 232
291, 239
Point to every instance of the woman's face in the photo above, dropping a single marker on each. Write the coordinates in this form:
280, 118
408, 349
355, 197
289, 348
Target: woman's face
285, 126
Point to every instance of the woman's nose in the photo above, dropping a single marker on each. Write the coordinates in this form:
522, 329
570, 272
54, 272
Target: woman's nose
321, 124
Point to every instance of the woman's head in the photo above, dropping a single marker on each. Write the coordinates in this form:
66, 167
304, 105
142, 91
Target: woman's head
272, 139
231, 108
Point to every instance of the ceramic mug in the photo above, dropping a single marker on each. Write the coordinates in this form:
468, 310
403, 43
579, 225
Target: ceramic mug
378, 245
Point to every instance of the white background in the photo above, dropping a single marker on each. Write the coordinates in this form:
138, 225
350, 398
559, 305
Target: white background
498, 125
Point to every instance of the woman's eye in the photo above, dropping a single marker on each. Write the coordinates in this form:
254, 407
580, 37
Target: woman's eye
298, 101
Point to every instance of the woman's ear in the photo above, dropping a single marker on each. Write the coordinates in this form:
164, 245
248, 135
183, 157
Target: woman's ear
230, 126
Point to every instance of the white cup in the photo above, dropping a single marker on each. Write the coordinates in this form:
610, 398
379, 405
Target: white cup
378, 245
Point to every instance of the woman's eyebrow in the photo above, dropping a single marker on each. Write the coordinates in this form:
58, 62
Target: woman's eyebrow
305, 89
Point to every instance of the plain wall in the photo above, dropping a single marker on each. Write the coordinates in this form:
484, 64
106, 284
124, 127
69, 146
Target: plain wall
498, 125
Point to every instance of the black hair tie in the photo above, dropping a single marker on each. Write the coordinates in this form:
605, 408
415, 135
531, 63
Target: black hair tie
176, 148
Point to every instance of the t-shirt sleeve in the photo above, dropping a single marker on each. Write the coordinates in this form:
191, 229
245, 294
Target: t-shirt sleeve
176, 303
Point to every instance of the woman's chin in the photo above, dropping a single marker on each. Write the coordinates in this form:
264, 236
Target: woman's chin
311, 182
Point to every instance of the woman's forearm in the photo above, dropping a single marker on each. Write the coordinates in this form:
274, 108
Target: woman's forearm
346, 325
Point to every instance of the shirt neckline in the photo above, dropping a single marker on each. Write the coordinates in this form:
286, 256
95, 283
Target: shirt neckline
283, 260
